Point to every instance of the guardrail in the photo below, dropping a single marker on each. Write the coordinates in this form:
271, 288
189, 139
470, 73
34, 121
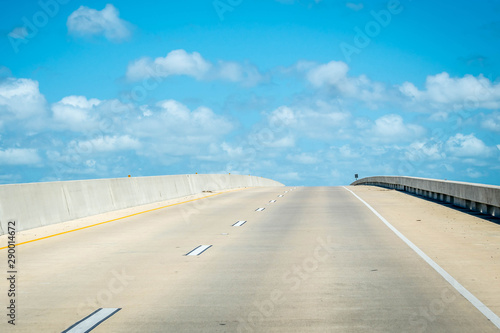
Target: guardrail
476, 197
34, 205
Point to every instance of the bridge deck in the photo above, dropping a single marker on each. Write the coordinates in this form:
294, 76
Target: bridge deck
316, 260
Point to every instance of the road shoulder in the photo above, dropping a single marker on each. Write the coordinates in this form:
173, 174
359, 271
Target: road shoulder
466, 246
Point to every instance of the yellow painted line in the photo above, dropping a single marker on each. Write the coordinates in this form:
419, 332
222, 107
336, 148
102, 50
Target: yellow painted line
120, 218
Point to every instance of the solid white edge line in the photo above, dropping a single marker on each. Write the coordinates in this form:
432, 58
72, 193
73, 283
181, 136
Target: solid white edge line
198, 250
461, 289
92, 321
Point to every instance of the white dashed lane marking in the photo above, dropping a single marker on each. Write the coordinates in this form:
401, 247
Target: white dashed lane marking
90, 322
198, 250
259, 209
239, 223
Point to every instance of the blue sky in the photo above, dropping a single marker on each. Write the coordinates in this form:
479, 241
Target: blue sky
306, 92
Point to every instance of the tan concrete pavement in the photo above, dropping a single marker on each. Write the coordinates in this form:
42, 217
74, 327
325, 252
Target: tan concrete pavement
316, 260
466, 246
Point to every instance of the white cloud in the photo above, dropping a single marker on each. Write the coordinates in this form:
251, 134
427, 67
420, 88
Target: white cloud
19, 33
174, 129
300, 66
441, 92
491, 122
302, 158
285, 125
230, 71
422, 150
320, 122
472, 173
286, 141
76, 113
347, 152
19, 156
178, 118
334, 75
467, 146
106, 144
238, 154
80, 102
177, 62
164, 133
86, 21
91, 115
265, 137
468, 92
392, 128
408, 89
180, 62
231, 152
282, 117
247, 74
21, 99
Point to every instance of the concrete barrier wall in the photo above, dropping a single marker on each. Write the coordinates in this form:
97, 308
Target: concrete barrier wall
477, 197
38, 204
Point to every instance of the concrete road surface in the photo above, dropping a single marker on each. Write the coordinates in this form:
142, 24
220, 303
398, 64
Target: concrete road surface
314, 260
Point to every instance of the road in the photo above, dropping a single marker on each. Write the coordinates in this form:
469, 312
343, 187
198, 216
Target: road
315, 260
